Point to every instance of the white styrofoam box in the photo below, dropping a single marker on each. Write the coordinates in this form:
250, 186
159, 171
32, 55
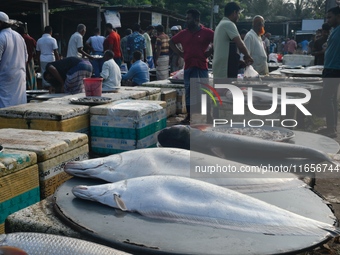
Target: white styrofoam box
44, 111
295, 59
105, 145
124, 122
126, 108
147, 90
171, 107
127, 124
154, 97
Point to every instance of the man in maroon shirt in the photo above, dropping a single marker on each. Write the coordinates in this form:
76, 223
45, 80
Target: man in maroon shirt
112, 42
195, 41
31, 80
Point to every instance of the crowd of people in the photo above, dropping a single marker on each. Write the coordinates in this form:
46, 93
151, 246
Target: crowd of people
139, 51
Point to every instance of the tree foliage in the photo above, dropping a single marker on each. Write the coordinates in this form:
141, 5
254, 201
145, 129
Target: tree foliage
271, 10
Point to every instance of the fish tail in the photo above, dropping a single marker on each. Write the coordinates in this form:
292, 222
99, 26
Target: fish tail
332, 231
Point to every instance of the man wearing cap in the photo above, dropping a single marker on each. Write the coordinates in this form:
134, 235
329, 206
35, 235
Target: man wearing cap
13, 58
176, 61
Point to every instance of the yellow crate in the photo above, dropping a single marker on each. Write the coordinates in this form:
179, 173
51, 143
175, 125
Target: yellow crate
76, 124
17, 191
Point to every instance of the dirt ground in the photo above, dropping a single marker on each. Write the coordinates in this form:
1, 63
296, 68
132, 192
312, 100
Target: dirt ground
328, 186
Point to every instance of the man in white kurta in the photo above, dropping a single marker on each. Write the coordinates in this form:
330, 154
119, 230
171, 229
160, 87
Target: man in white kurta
110, 72
13, 58
254, 44
225, 33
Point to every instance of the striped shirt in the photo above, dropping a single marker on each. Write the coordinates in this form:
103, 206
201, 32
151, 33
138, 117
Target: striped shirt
163, 41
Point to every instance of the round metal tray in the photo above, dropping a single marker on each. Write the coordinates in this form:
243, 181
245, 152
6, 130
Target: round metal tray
137, 234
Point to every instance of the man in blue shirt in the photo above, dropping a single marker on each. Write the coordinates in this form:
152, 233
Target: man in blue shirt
331, 74
139, 71
136, 42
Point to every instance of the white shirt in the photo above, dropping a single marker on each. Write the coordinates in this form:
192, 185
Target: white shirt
272, 57
111, 74
148, 45
13, 58
46, 45
75, 42
96, 42
256, 50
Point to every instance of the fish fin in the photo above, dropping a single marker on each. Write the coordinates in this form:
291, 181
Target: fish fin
218, 152
120, 203
11, 250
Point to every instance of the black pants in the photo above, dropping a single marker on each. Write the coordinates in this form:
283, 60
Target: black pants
329, 96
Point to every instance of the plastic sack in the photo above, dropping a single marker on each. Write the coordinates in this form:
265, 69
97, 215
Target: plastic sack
250, 72
123, 67
178, 74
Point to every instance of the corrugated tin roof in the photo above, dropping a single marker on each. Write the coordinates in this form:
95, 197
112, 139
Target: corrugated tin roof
15, 7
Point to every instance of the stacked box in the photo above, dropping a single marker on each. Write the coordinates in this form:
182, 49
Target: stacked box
170, 97
53, 150
47, 117
151, 93
113, 96
180, 99
19, 182
126, 125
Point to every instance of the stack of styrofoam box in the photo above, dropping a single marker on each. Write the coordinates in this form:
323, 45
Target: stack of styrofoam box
46, 117
19, 182
53, 150
126, 125
180, 99
151, 93
169, 96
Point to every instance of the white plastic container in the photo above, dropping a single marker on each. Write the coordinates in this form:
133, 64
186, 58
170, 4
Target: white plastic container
296, 60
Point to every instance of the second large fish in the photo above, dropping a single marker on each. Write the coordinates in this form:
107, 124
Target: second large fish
228, 145
180, 162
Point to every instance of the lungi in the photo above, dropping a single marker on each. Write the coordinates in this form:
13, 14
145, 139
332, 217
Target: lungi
31, 79
74, 78
162, 68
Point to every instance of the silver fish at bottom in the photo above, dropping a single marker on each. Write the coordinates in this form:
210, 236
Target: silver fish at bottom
181, 199
48, 244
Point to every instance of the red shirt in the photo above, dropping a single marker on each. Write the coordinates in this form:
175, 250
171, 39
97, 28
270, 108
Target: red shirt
30, 44
113, 39
194, 45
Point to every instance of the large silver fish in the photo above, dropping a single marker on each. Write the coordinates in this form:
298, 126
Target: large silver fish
48, 244
180, 162
191, 201
228, 145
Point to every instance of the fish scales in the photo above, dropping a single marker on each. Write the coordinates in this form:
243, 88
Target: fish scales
179, 162
182, 199
48, 244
